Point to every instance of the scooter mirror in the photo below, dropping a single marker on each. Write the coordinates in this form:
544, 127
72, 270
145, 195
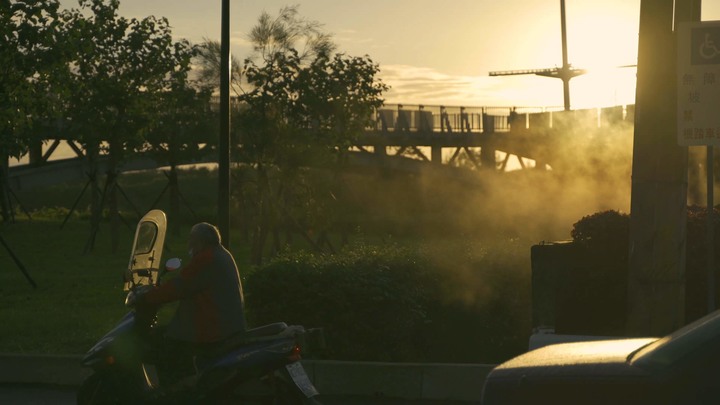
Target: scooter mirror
173, 264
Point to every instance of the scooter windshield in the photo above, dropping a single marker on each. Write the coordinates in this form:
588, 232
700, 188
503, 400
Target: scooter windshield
146, 254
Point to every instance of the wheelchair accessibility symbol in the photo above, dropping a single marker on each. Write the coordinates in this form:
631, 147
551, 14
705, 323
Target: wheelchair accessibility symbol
708, 50
706, 46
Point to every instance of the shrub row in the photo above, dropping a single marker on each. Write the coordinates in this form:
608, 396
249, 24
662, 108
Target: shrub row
608, 233
391, 303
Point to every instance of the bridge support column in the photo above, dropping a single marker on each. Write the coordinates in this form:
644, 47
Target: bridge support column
5, 213
436, 155
35, 154
487, 151
379, 151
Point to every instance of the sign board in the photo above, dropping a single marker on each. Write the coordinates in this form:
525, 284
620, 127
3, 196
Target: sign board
698, 84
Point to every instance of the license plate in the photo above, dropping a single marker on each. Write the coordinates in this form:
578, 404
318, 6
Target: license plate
301, 379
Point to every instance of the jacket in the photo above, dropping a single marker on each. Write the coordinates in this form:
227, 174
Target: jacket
211, 298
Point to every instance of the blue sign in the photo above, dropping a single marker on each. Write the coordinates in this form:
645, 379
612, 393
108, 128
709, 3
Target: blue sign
705, 46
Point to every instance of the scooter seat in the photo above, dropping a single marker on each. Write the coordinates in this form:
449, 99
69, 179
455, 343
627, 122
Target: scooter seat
265, 330
240, 339
249, 336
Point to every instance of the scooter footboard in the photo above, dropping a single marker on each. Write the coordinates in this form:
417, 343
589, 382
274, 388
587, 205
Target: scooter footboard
251, 361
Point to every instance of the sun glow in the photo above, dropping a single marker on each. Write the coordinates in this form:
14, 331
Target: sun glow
605, 44
600, 41
603, 88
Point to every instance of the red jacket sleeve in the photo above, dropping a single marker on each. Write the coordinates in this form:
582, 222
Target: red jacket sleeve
189, 282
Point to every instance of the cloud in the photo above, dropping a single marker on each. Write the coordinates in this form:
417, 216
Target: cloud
347, 31
240, 40
422, 85
349, 39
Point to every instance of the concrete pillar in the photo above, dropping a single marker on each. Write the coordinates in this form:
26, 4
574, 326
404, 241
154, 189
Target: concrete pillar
380, 151
656, 278
487, 152
35, 153
5, 213
436, 155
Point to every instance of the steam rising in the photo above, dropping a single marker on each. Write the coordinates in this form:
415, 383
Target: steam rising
589, 171
478, 225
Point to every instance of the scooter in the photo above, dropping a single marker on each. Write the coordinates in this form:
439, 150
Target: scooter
258, 366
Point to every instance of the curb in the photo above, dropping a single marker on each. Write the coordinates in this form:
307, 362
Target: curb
39, 369
419, 381
416, 381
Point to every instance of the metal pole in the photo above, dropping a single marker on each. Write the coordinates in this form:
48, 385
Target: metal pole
563, 30
224, 141
710, 230
565, 73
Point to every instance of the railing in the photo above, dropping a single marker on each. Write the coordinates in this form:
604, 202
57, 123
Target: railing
451, 120
423, 118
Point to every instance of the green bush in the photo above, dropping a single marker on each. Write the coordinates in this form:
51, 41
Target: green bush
696, 261
606, 229
606, 234
371, 301
436, 303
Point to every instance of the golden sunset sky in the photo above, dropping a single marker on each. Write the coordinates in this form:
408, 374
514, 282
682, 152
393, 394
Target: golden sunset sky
440, 52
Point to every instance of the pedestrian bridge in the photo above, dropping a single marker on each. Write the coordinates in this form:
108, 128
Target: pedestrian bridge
489, 137
538, 134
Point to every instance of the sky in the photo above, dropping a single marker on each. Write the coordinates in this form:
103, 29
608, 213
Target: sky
440, 52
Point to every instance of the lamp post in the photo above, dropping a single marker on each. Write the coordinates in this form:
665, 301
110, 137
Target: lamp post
224, 141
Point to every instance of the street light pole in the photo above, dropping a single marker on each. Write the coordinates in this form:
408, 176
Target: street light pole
224, 141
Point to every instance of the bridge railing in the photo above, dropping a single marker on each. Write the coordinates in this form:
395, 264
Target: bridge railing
424, 118
432, 119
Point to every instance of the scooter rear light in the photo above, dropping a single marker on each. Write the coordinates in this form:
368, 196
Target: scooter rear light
295, 354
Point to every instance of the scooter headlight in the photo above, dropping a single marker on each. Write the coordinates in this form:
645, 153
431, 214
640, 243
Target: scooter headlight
135, 293
130, 299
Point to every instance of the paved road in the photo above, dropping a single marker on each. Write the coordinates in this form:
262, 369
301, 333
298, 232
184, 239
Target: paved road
48, 395
36, 395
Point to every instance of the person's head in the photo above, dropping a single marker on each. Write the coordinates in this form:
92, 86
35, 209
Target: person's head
203, 235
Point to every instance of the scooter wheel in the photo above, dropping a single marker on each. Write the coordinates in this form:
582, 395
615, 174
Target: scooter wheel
97, 390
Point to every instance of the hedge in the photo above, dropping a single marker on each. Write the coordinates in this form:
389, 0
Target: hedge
403, 304
608, 232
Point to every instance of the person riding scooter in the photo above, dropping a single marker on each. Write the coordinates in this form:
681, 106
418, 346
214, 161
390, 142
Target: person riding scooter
211, 307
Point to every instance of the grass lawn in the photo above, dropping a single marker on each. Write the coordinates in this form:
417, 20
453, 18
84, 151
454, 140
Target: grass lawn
79, 296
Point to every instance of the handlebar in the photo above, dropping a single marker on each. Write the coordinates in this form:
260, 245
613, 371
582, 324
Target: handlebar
135, 293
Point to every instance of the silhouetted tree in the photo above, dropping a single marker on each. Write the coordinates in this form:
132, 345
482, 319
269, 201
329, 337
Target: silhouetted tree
120, 66
183, 122
207, 67
289, 33
29, 61
273, 34
304, 109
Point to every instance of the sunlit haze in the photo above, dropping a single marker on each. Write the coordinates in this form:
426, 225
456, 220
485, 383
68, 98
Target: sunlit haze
440, 53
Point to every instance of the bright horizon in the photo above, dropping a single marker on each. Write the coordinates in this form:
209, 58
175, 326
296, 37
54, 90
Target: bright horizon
442, 56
